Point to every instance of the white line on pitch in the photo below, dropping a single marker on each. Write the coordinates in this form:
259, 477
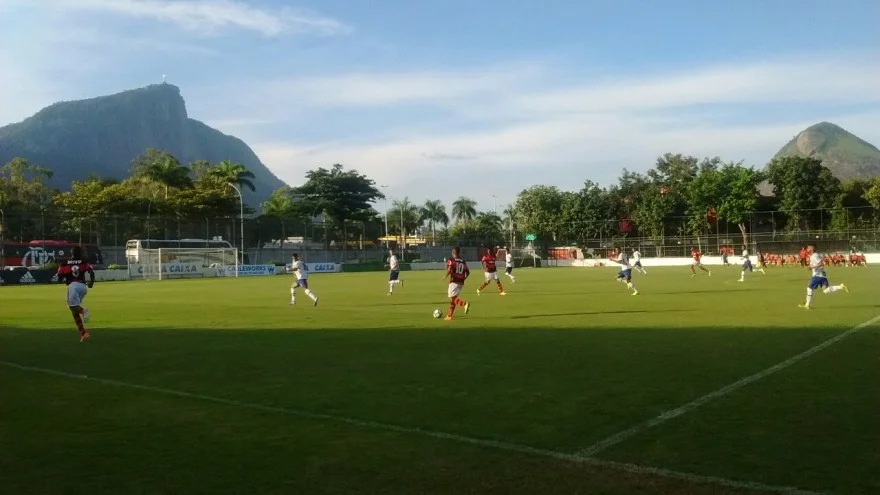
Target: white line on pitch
619, 437
499, 445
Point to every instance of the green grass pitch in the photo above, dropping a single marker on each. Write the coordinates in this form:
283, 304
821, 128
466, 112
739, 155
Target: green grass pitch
218, 386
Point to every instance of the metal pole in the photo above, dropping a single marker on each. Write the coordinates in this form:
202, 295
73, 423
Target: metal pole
241, 221
385, 199
494, 204
402, 235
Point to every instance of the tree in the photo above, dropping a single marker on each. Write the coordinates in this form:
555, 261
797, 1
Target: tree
800, 184
163, 168
651, 212
489, 228
280, 206
738, 195
405, 216
585, 213
227, 172
538, 211
464, 209
86, 201
340, 195
702, 196
434, 212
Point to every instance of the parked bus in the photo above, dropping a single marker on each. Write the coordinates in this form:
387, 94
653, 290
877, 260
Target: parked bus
35, 254
134, 247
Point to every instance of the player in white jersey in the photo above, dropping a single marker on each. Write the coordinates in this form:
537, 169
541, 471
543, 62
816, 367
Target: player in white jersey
637, 262
625, 274
818, 278
746, 264
508, 264
394, 274
301, 272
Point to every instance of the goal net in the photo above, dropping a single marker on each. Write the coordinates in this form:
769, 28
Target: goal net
167, 263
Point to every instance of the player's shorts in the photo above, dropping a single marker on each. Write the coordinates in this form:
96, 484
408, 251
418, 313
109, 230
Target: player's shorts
818, 283
76, 292
508, 270
625, 274
454, 290
393, 275
747, 265
302, 282
637, 264
697, 264
490, 276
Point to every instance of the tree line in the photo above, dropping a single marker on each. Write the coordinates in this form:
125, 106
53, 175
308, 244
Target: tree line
680, 195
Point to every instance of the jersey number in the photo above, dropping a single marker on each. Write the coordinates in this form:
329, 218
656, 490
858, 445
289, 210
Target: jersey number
459, 268
74, 270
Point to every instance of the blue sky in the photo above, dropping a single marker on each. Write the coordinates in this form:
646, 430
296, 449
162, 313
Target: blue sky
444, 98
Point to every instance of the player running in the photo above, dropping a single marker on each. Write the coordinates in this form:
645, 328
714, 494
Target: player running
625, 274
697, 256
746, 264
301, 272
508, 265
819, 278
490, 272
394, 274
637, 258
457, 272
73, 273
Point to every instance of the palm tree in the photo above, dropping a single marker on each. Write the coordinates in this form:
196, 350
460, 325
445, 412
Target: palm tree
280, 206
509, 219
464, 209
233, 173
434, 212
405, 215
166, 170
489, 225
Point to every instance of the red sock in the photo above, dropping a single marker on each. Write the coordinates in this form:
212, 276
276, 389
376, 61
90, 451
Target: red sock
451, 307
500, 288
79, 323
483, 285
459, 302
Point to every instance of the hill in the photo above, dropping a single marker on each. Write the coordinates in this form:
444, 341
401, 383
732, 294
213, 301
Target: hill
102, 135
848, 156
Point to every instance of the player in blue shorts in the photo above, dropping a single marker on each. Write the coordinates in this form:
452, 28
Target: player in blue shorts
624, 276
818, 279
746, 264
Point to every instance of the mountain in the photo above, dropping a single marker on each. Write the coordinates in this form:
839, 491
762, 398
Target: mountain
848, 156
102, 135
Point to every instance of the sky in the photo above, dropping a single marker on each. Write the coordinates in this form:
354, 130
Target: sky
441, 98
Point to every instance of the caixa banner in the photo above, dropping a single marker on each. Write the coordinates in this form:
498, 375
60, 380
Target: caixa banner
322, 267
246, 270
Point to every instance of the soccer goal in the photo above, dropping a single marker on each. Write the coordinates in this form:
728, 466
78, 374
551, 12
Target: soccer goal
168, 263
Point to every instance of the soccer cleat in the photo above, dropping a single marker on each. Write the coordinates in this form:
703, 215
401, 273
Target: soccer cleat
479, 292
292, 303
448, 318
635, 293
502, 293
467, 308
803, 306
316, 302
85, 315
83, 337
845, 288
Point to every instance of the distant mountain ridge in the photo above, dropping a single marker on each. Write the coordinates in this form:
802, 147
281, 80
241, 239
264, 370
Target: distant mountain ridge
848, 156
102, 135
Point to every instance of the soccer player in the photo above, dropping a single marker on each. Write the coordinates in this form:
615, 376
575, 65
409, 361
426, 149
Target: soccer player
301, 272
761, 264
625, 274
697, 255
394, 274
637, 257
457, 272
73, 273
746, 264
819, 278
490, 272
508, 265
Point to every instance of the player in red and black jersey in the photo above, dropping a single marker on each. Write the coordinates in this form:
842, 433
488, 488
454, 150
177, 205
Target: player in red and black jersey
697, 256
73, 273
457, 272
490, 271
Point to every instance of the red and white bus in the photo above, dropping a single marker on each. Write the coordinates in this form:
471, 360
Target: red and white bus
35, 254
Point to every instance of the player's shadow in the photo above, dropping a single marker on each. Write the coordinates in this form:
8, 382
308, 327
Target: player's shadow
586, 313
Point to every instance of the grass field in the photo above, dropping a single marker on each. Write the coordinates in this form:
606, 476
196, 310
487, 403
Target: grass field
567, 385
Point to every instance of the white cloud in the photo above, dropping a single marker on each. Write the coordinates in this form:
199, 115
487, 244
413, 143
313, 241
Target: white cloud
564, 135
211, 16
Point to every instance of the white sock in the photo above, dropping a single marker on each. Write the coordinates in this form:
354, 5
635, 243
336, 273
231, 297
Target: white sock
631, 286
809, 296
311, 294
292, 294
742, 275
390, 287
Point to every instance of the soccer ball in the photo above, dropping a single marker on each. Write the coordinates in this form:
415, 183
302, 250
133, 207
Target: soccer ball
437, 313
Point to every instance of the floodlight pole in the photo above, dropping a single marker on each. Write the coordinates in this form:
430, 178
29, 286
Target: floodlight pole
385, 199
241, 220
2, 228
494, 204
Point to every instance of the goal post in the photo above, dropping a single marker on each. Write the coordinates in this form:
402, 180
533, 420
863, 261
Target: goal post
173, 263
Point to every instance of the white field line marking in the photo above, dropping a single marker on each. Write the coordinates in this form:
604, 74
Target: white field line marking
499, 445
624, 435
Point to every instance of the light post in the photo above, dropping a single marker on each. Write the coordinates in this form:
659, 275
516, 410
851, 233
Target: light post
385, 215
241, 220
402, 236
494, 204
2, 228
